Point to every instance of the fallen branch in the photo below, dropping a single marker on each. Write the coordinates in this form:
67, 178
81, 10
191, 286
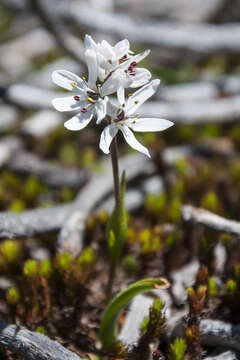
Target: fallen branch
180, 39
210, 220
31, 345
27, 163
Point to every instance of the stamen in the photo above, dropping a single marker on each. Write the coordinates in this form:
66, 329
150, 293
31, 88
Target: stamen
77, 98
134, 122
123, 105
137, 116
121, 123
84, 78
73, 84
83, 110
99, 85
90, 99
130, 94
136, 101
133, 64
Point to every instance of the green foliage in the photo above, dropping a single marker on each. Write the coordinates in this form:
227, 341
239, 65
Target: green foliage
235, 170
130, 264
182, 167
171, 240
13, 296
67, 195
212, 287
45, 268
30, 268
231, 287
210, 131
174, 212
177, 189
178, 349
41, 330
155, 320
87, 259
149, 242
210, 202
155, 203
17, 206
108, 327
63, 262
32, 188
10, 250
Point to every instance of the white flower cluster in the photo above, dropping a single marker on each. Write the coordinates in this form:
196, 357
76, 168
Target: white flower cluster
111, 69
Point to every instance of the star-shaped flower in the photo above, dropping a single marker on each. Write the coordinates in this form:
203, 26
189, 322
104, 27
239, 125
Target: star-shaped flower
125, 119
119, 56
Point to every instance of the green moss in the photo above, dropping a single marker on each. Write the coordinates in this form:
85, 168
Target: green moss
30, 268
186, 132
63, 262
182, 167
17, 206
178, 349
171, 240
210, 131
235, 170
155, 203
130, 264
13, 296
32, 188
174, 212
210, 201
45, 268
231, 287
103, 216
87, 259
67, 195
69, 154
212, 287
177, 188
10, 250
41, 330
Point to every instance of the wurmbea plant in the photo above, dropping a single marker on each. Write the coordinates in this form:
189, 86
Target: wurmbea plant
112, 69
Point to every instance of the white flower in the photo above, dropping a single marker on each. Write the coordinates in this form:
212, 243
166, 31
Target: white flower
111, 58
124, 119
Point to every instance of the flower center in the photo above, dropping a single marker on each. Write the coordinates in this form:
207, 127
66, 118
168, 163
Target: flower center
92, 96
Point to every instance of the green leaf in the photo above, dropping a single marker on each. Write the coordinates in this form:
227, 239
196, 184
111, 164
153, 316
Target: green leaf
108, 328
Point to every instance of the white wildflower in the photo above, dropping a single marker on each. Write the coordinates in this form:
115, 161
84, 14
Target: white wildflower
125, 119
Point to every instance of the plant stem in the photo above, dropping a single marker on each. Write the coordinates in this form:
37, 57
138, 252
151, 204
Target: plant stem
115, 169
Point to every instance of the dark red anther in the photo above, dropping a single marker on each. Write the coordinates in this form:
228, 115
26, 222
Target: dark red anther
124, 57
133, 63
77, 98
83, 110
133, 73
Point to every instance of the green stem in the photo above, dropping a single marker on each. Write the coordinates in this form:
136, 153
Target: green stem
115, 168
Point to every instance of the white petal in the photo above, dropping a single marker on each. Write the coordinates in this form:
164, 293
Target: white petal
89, 43
112, 110
132, 141
79, 121
148, 124
121, 48
68, 104
101, 109
116, 79
68, 80
92, 64
125, 65
106, 137
141, 77
121, 96
140, 96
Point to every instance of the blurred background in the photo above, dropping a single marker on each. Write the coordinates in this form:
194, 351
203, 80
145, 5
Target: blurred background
195, 51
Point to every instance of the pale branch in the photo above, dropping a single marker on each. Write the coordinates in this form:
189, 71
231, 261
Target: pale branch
32, 345
181, 40
24, 162
228, 355
210, 220
218, 111
41, 221
69, 44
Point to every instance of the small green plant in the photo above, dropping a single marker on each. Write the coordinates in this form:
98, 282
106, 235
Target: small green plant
231, 287
130, 264
63, 261
13, 296
41, 330
45, 268
10, 250
155, 203
87, 259
212, 287
178, 349
210, 202
30, 268
182, 167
